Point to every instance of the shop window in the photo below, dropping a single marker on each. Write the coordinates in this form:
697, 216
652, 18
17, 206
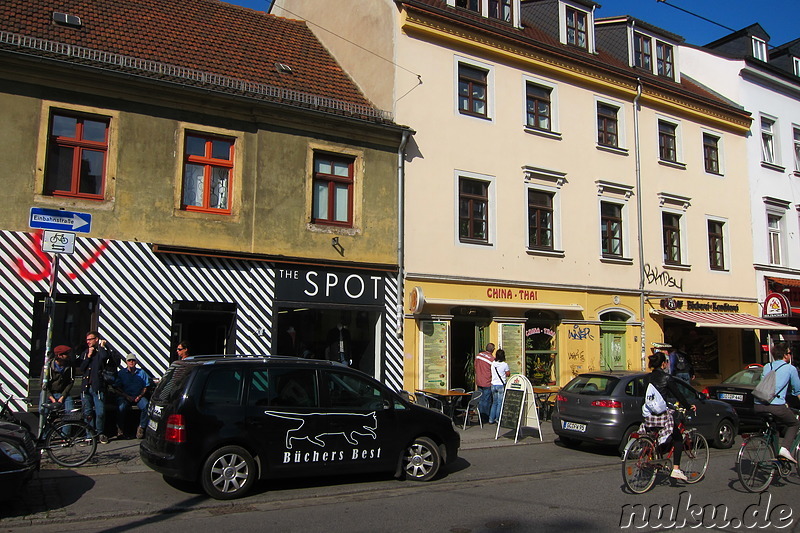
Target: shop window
77, 153
541, 347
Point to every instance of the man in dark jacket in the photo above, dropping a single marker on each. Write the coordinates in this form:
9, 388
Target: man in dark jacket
98, 359
60, 378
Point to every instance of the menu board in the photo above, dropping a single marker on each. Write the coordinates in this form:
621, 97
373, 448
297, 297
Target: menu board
434, 354
512, 408
512, 342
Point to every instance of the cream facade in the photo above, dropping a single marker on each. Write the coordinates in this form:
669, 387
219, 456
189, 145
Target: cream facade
583, 299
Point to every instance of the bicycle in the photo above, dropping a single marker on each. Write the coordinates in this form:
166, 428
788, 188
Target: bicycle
758, 461
66, 438
643, 458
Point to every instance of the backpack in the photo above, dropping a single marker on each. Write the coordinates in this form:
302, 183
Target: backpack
654, 403
681, 362
765, 390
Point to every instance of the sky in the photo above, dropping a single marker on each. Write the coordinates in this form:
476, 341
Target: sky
777, 17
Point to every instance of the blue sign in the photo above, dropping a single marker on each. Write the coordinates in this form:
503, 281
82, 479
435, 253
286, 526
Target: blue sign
56, 219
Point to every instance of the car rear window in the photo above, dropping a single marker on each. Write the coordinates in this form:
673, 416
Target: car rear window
594, 385
745, 377
172, 384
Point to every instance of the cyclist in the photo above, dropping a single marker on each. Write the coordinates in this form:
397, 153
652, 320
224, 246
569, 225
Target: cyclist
666, 386
785, 374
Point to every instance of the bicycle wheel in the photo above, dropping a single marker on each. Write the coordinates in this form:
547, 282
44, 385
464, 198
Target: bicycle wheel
638, 471
695, 456
756, 464
71, 443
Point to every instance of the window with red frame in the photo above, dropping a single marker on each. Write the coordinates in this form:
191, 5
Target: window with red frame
333, 190
207, 173
76, 156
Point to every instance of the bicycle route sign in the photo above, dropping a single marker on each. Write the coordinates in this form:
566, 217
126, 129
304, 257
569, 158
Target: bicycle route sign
58, 242
58, 220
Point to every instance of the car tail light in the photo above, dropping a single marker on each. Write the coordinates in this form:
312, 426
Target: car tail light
176, 431
612, 404
561, 398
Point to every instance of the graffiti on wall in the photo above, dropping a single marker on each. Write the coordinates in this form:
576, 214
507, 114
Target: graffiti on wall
576, 360
665, 279
46, 262
579, 334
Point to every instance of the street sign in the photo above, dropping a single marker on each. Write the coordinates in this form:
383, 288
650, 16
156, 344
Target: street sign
58, 242
58, 220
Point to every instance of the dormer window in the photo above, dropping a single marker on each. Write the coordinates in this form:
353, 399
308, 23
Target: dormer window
577, 28
500, 10
471, 5
759, 49
643, 47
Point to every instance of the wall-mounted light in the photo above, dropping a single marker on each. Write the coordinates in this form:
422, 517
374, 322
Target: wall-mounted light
336, 246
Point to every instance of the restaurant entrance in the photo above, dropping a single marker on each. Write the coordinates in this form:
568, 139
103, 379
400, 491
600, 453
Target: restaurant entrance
469, 333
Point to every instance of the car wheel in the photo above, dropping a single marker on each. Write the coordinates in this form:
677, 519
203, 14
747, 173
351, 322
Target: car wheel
625, 438
725, 434
569, 441
421, 460
228, 473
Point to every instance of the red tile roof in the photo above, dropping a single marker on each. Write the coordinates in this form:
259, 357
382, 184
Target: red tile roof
206, 35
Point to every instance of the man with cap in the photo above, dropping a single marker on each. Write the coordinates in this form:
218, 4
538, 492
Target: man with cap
60, 378
131, 386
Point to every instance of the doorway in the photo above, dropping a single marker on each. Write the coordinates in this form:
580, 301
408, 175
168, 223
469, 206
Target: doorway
208, 327
73, 317
469, 334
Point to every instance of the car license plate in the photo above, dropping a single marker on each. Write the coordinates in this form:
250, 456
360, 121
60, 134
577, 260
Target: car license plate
573, 426
152, 424
730, 396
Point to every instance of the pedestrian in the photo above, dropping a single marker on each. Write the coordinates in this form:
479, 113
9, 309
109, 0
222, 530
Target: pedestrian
483, 379
666, 420
785, 375
680, 365
500, 373
99, 364
60, 378
131, 386
183, 350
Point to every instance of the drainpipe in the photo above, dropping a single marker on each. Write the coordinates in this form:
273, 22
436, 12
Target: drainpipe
639, 226
401, 176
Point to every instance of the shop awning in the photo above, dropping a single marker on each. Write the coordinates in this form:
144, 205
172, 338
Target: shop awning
706, 319
504, 305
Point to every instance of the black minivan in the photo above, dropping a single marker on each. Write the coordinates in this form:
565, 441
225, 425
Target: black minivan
230, 420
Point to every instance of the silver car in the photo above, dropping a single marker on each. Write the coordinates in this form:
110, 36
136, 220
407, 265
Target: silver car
606, 407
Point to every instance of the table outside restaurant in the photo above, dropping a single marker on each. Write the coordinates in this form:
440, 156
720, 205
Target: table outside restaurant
449, 398
545, 400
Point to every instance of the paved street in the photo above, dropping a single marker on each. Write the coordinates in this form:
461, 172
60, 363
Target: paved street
495, 486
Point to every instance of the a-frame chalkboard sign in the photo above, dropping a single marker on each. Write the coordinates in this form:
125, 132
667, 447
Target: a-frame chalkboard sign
519, 407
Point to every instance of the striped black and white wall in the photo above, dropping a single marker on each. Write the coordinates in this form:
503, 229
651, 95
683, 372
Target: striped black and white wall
135, 289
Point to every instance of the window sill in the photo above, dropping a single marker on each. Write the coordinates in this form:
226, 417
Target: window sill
672, 164
773, 166
720, 270
70, 202
673, 266
545, 253
616, 260
473, 242
333, 230
474, 115
543, 133
612, 149
715, 174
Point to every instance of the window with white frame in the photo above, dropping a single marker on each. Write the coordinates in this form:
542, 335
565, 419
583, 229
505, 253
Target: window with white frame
474, 203
668, 141
473, 81
607, 125
711, 153
543, 189
671, 232
759, 49
538, 106
796, 133
716, 244
768, 141
577, 27
611, 229
642, 51
775, 236
665, 60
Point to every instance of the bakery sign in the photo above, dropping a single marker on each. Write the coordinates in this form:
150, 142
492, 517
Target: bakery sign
776, 305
